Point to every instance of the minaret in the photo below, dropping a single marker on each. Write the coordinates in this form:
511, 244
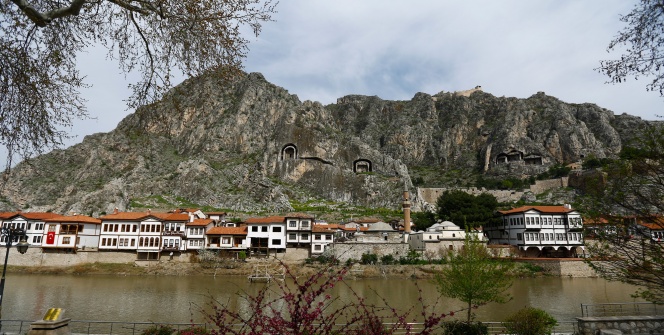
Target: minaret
406, 211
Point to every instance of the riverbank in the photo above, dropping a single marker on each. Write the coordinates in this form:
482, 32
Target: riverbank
525, 268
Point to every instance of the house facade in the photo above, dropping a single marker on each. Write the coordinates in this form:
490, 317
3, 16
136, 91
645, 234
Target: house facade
539, 231
441, 236
266, 235
298, 230
31, 222
71, 233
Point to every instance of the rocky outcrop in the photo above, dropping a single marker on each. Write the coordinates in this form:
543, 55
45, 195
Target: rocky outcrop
250, 145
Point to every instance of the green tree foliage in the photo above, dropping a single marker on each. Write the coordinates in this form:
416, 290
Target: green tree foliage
530, 321
423, 220
473, 277
40, 41
467, 210
629, 199
643, 42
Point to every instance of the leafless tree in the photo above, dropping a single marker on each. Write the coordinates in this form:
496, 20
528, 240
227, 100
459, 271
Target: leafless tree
643, 38
40, 40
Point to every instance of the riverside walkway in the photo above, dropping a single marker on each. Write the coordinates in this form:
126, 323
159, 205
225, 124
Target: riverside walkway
85, 327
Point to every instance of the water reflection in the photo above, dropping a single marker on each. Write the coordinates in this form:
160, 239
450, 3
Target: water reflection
179, 299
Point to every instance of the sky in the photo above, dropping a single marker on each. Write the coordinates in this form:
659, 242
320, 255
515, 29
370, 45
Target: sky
322, 50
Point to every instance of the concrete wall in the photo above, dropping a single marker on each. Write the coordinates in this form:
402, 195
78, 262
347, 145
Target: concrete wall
348, 250
621, 325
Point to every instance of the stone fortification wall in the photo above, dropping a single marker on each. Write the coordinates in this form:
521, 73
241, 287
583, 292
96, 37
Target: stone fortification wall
430, 195
349, 250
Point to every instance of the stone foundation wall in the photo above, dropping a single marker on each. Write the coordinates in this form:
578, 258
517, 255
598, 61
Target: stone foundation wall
563, 267
35, 257
345, 251
634, 325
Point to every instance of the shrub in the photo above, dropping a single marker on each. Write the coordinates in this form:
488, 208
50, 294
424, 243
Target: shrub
369, 259
463, 328
387, 259
158, 330
530, 321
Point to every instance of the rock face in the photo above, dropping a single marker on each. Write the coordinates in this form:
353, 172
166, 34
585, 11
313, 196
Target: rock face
250, 145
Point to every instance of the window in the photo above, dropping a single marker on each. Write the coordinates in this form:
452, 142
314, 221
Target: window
305, 237
317, 247
254, 228
328, 237
276, 241
519, 236
292, 224
133, 240
317, 237
305, 224
292, 237
264, 229
276, 229
225, 240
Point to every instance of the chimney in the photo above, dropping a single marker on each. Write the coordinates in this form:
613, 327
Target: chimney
115, 211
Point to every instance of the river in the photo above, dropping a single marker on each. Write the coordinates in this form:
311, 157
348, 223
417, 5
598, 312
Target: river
177, 299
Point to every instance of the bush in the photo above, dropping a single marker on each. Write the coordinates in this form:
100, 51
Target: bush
530, 321
462, 328
369, 259
158, 330
387, 259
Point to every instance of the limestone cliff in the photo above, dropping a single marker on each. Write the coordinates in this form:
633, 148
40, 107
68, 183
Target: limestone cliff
250, 145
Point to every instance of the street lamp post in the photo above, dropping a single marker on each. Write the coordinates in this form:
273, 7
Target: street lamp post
9, 234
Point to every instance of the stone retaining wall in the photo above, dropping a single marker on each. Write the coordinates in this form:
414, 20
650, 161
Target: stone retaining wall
634, 325
563, 267
345, 251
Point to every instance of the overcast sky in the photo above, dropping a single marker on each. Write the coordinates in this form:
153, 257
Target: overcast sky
323, 50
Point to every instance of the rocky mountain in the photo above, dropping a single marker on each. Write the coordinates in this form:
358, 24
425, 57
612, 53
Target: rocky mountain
249, 145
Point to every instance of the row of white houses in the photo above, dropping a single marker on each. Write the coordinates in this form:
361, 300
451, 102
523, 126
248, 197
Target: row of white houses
151, 234
536, 231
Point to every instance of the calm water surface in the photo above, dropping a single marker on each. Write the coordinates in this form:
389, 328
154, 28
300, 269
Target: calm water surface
178, 299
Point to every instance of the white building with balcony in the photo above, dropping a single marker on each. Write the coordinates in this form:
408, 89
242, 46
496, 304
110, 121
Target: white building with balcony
298, 230
31, 222
267, 234
195, 233
539, 231
72, 233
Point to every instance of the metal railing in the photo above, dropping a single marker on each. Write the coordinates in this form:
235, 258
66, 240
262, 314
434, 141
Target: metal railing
86, 327
622, 309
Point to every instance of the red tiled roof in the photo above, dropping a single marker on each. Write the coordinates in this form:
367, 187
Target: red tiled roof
266, 220
543, 209
215, 213
200, 222
74, 219
227, 231
177, 217
653, 226
299, 216
134, 216
7, 215
322, 229
36, 215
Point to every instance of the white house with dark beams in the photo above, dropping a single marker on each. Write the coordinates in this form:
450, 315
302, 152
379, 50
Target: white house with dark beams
539, 231
266, 235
